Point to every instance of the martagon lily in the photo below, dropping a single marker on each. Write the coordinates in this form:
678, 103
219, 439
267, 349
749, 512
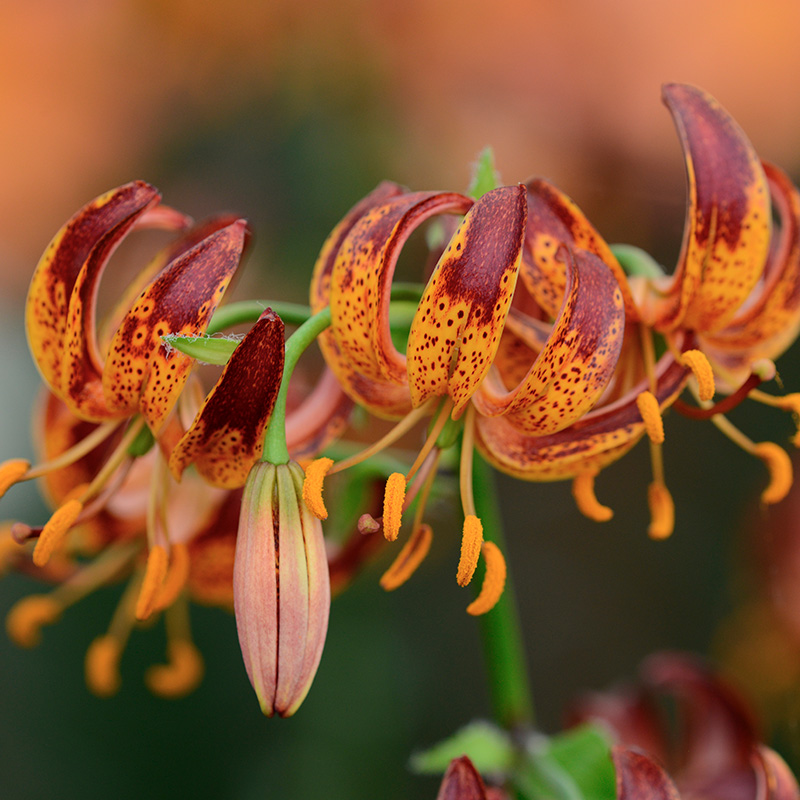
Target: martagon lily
732, 305
455, 337
117, 496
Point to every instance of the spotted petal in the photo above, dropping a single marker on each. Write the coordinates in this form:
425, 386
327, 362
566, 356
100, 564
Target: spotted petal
554, 220
363, 356
591, 443
578, 359
227, 435
64, 285
769, 322
728, 219
141, 373
456, 330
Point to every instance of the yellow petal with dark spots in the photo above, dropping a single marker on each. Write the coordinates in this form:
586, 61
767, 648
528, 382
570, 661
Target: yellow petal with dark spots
227, 435
727, 232
61, 298
554, 220
141, 373
457, 328
578, 360
770, 322
596, 440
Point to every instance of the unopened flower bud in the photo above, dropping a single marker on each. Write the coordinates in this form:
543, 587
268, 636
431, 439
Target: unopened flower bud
281, 587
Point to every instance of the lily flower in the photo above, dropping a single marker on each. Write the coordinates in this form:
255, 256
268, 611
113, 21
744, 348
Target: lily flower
121, 509
731, 307
716, 753
455, 337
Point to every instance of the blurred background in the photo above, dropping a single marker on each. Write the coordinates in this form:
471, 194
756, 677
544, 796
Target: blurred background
288, 113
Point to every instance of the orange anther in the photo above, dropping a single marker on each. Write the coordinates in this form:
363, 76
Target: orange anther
393, 501
494, 580
586, 500
662, 511
154, 574
101, 666
312, 486
11, 472
177, 575
703, 372
471, 541
55, 531
183, 673
651, 414
781, 475
27, 616
409, 558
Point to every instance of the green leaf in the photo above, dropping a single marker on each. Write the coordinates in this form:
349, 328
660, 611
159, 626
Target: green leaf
575, 765
636, 261
488, 747
208, 349
484, 177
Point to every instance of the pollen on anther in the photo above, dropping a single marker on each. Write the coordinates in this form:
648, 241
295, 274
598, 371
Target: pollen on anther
55, 531
11, 472
471, 541
27, 616
183, 673
154, 575
494, 580
102, 666
586, 500
393, 501
696, 361
312, 486
651, 414
176, 577
781, 474
409, 558
662, 511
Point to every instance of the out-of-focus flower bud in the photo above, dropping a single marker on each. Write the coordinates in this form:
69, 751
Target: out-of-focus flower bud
281, 587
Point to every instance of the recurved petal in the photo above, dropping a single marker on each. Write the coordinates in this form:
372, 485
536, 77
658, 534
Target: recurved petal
774, 778
141, 373
726, 237
639, 777
457, 327
554, 220
61, 298
362, 278
593, 442
227, 435
770, 321
578, 360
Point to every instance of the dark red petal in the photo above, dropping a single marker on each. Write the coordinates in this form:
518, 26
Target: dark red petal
639, 777
462, 782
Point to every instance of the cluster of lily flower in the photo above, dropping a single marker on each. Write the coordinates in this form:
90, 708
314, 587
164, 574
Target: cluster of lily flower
533, 341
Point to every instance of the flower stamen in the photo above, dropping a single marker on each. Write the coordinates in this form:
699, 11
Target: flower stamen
494, 580
409, 558
55, 531
697, 362
781, 475
662, 511
471, 541
176, 577
586, 500
27, 616
154, 575
393, 505
648, 407
184, 671
102, 666
74, 453
315, 474
12, 472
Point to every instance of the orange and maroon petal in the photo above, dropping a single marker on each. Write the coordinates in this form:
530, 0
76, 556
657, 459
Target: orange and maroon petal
361, 281
770, 323
554, 220
227, 435
61, 298
727, 231
141, 372
593, 442
640, 777
457, 328
578, 360
462, 782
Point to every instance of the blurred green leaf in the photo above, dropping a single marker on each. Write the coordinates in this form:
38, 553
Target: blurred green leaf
488, 747
209, 349
485, 177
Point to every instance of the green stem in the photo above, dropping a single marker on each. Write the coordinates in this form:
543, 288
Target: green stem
275, 450
501, 633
